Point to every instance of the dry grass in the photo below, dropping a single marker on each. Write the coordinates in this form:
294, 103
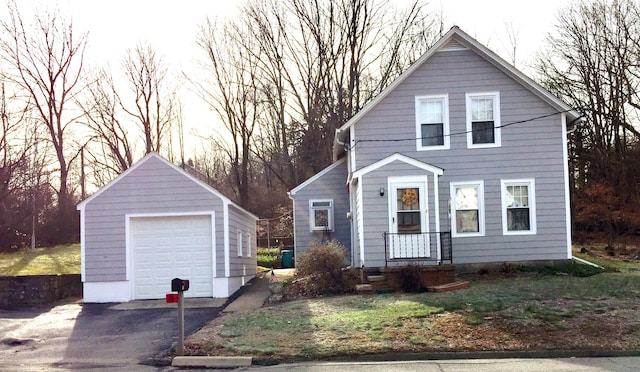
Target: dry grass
523, 311
61, 259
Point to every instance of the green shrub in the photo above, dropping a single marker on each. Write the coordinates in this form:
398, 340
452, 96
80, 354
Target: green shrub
321, 271
267, 256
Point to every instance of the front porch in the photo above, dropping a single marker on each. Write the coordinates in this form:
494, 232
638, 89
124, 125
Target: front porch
410, 257
417, 248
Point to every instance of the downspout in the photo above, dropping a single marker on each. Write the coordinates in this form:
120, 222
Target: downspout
586, 262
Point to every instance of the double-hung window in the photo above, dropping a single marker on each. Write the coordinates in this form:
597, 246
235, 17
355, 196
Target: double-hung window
432, 122
518, 207
467, 208
321, 214
483, 119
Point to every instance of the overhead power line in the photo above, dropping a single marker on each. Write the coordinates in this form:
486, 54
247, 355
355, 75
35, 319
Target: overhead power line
457, 133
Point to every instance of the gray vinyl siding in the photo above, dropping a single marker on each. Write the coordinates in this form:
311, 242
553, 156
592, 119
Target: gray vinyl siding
245, 265
532, 149
331, 185
376, 208
152, 187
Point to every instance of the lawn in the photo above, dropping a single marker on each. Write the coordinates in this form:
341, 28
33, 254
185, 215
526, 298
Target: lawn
61, 259
517, 311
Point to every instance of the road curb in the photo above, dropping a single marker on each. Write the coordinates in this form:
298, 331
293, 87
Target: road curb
457, 355
211, 361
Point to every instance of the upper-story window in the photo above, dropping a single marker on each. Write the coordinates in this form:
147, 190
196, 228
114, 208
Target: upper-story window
483, 119
432, 122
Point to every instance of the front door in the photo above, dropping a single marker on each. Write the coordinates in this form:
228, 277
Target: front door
409, 223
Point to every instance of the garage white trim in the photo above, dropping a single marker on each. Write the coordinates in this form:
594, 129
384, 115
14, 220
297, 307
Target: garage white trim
162, 246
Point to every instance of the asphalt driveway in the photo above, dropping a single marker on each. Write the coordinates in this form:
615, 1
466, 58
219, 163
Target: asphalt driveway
76, 336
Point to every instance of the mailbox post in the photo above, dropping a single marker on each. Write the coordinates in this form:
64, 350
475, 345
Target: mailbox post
180, 285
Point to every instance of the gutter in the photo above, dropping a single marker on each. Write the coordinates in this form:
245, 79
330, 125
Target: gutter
586, 262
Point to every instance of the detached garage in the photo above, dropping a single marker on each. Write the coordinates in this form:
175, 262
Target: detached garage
156, 222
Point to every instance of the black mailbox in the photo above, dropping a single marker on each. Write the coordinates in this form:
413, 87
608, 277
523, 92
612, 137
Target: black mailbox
179, 285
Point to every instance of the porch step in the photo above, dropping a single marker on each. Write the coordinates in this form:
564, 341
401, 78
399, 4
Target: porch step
375, 278
448, 287
364, 288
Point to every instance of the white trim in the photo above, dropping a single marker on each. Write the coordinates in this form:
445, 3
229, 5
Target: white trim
360, 221
329, 209
444, 100
531, 187
422, 183
295, 226
436, 215
129, 262
467, 41
352, 148
567, 192
104, 292
306, 183
496, 119
481, 214
227, 248
398, 157
83, 249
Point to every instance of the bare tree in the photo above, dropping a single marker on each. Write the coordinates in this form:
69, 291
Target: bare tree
153, 108
232, 93
45, 60
110, 149
592, 62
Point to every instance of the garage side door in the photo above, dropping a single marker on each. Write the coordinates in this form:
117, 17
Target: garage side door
164, 248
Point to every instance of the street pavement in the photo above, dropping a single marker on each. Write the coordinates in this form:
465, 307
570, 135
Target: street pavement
608, 364
106, 337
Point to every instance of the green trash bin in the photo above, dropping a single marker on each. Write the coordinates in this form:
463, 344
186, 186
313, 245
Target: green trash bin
287, 259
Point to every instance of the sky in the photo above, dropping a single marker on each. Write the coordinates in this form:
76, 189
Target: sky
170, 27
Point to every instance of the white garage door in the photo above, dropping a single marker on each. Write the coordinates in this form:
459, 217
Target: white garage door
164, 248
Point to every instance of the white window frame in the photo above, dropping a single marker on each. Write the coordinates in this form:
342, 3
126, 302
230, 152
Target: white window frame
239, 242
496, 119
531, 188
481, 229
248, 239
312, 219
444, 98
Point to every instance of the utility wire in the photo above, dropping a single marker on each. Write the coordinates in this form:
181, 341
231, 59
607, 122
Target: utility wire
456, 133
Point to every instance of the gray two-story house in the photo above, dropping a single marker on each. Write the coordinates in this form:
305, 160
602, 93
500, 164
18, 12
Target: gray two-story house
461, 159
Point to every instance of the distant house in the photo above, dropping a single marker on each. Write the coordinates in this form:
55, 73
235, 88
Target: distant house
461, 159
155, 222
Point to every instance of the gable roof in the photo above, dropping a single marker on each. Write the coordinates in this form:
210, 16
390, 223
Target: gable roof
153, 155
402, 158
315, 177
456, 39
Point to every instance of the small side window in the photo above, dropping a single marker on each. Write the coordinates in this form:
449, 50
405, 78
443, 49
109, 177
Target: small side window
239, 242
321, 215
248, 240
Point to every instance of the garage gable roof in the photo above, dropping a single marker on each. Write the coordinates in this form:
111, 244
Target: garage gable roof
153, 155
